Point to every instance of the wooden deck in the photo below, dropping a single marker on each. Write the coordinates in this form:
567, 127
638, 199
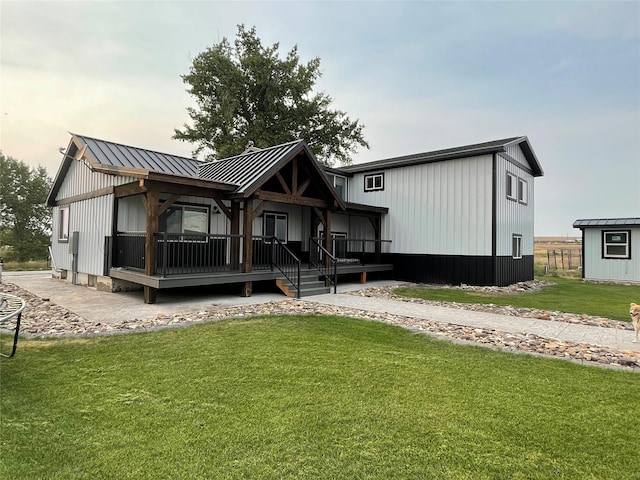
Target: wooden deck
224, 277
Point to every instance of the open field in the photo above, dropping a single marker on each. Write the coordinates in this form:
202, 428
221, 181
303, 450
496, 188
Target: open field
308, 397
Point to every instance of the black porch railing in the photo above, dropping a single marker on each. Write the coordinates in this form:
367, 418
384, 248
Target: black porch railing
287, 263
322, 260
178, 254
356, 251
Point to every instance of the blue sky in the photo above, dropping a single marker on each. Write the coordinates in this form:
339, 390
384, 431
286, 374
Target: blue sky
419, 75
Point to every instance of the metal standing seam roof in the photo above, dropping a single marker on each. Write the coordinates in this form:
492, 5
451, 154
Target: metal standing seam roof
118, 155
449, 153
248, 169
606, 222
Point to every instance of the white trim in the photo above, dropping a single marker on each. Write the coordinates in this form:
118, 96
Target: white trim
63, 220
374, 182
516, 246
626, 244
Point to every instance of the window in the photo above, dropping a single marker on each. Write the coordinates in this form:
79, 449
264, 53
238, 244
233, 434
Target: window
522, 191
339, 183
339, 241
275, 225
374, 182
616, 244
511, 186
517, 246
63, 221
185, 219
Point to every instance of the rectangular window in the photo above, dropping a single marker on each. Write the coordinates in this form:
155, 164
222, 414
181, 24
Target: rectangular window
186, 219
517, 246
374, 182
339, 245
63, 220
340, 184
616, 244
522, 191
275, 225
511, 186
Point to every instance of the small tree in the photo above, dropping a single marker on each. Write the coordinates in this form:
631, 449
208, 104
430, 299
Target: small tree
247, 93
25, 220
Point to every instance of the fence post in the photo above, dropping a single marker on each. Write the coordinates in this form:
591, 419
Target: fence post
1, 265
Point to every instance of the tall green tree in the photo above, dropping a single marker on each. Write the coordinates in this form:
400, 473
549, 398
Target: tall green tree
246, 92
25, 220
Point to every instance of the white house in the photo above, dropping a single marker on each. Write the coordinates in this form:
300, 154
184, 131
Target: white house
610, 249
127, 216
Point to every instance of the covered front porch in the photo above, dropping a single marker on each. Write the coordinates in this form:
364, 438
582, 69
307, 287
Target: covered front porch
214, 259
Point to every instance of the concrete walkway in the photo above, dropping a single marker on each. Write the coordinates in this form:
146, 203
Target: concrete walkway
105, 307
568, 332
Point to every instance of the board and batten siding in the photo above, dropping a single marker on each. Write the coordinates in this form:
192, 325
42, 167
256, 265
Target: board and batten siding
597, 268
132, 216
440, 208
513, 217
80, 179
92, 220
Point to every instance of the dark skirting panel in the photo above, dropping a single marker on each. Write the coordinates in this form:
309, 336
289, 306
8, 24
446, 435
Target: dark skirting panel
512, 270
457, 269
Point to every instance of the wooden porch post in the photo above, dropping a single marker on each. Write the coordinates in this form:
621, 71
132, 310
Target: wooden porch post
235, 230
151, 201
247, 230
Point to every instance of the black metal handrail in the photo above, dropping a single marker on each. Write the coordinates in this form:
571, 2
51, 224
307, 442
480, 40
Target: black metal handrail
322, 260
284, 260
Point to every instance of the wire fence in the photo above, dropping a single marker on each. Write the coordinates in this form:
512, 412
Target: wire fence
564, 258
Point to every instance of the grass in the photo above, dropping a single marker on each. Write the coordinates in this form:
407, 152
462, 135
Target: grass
11, 266
567, 295
308, 397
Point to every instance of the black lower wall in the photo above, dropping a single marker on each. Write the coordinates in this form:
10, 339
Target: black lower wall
510, 270
457, 269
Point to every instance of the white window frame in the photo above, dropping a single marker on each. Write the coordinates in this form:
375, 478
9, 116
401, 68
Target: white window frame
611, 243
344, 190
63, 220
374, 182
277, 216
511, 186
516, 246
203, 208
523, 191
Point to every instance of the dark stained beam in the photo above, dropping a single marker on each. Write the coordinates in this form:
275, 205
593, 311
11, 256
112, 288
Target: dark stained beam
293, 199
85, 196
284, 185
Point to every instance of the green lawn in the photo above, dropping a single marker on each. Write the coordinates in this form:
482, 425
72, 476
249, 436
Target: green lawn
308, 397
567, 295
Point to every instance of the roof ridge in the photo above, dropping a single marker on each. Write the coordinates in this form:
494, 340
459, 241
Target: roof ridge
136, 148
443, 151
255, 152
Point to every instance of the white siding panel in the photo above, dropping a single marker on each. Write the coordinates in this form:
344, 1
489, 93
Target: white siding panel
515, 152
435, 208
294, 220
79, 179
513, 217
609, 269
92, 219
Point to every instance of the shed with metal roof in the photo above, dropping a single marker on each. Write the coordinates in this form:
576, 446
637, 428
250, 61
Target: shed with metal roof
610, 249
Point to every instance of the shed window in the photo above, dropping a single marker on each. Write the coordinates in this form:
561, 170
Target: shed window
275, 225
63, 221
374, 182
185, 219
517, 246
616, 244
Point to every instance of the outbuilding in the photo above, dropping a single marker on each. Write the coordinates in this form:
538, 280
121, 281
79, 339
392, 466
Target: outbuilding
610, 249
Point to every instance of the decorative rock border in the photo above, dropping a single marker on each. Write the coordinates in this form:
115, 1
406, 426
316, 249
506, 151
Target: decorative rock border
46, 319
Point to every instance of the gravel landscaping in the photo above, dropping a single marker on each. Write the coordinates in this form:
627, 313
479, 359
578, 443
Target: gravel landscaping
43, 318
